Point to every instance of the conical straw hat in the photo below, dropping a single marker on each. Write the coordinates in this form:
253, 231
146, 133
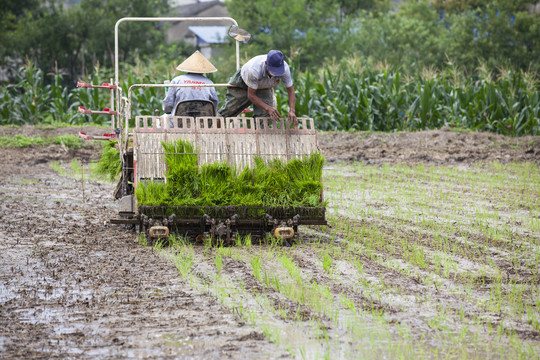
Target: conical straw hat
197, 63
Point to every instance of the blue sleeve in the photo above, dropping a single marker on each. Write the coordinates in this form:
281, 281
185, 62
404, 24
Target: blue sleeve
170, 98
168, 102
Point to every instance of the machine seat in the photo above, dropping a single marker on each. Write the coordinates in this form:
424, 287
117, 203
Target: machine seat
195, 108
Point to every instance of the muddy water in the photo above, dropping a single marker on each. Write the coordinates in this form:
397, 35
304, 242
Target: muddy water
74, 286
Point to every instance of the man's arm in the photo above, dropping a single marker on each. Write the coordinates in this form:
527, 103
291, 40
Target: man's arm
168, 102
257, 101
292, 105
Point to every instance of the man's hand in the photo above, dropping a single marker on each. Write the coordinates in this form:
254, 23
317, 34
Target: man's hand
292, 118
257, 101
274, 114
292, 106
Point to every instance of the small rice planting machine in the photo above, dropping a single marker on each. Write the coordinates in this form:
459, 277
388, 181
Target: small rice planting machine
237, 141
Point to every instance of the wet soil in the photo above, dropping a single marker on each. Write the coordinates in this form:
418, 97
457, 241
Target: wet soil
73, 285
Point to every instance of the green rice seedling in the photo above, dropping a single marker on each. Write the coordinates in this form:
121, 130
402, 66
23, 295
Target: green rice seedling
69, 141
184, 261
456, 291
274, 282
238, 240
225, 250
348, 303
417, 256
160, 243
274, 180
359, 266
27, 181
75, 166
256, 266
182, 169
324, 334
141, 239
274, 243
176, 241
21, 141
327, 261
110, 164
271, 334
219, 243
215, 184
285, 184
218, 260
532, 318
55, 165
292, 269
152, 193
302, 351
246, 241
207, 241
266, 279
248, 191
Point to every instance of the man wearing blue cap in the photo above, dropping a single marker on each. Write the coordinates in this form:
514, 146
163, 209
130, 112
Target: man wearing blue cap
254, 83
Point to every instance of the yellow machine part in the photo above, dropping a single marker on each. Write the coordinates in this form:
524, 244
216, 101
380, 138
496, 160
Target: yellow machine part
284, 232
158, 232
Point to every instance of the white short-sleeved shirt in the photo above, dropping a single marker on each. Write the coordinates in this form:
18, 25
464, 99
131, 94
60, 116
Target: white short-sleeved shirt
176, 95
255, 75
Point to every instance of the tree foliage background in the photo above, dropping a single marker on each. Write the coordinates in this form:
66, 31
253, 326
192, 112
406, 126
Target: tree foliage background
77, 37
415, 34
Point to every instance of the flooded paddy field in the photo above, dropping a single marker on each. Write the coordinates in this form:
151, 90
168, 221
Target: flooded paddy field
433, 251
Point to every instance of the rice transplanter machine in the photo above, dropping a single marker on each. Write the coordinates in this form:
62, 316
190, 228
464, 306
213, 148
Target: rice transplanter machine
235, 140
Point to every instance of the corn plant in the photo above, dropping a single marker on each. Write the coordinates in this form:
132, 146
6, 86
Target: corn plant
25, 101
344, 97
385, 100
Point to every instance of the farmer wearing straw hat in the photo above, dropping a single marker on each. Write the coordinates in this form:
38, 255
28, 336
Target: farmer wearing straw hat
254, 84
195, 66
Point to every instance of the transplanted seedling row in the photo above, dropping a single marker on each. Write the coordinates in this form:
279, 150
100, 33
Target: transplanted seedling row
419, 261
484, 255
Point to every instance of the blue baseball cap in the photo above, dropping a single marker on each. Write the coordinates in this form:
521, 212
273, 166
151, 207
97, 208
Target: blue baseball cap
275, 63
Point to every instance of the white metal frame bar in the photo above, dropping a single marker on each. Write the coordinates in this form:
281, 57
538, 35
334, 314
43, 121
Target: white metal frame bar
134, 86
168, 19
159, 19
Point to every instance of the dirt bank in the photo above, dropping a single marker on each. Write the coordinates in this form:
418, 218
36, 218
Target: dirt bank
445, 146
430, 147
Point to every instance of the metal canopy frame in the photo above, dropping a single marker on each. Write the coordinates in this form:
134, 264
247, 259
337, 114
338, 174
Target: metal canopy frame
157, 19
